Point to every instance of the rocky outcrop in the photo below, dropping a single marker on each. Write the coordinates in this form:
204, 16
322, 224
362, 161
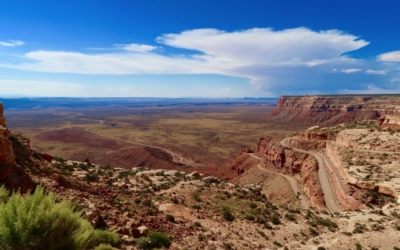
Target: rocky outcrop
7, 157
2, 118
14, 151
285, 160
348, 197
332, 110
390, 121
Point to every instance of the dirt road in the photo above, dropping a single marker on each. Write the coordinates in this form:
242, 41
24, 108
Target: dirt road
324, 178
304, 202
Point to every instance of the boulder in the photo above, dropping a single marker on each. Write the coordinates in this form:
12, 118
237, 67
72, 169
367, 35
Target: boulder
141, 231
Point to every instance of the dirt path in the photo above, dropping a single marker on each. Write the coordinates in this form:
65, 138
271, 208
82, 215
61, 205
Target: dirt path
304, 202
176, 157
324, 178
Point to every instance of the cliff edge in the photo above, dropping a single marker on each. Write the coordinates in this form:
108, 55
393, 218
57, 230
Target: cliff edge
334, 109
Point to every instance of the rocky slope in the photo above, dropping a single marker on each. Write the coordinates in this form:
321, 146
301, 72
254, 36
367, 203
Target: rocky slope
332, 110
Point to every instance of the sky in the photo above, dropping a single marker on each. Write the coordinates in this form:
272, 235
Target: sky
193, 48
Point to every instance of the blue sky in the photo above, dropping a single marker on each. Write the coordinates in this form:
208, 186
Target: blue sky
188, 48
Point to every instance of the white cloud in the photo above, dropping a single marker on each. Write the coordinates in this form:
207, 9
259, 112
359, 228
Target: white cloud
395, 80
141, 48
11, 43
390, 57
265, 46
349, 71
376, 72
272, 60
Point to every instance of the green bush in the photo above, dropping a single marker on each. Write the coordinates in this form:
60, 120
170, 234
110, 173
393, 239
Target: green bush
143, 243
253, 205
106, 237
196, 196
159, 239
275, 220
103, 247
170, 218
226, 213
36, 221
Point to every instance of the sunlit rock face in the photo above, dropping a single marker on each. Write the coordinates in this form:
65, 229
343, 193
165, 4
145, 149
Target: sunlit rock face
332, 110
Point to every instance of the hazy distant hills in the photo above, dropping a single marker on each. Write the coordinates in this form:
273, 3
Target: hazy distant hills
39, 103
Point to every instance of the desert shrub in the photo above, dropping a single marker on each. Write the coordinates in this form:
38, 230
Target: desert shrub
147, 203
143, 243
290, 217
196, 196
359, 228
103, 247
106, 237
226, 213
250, 217
36, 221
159, 239
170, 218
91, 177
275, 220
253, 205
196, 207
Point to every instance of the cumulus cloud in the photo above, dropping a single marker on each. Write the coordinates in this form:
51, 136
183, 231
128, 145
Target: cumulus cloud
265, 46
273, 60
349, 71
11, 43
376, 72
141, 48
390, 57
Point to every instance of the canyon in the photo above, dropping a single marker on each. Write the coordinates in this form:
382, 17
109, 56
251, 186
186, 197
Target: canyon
273, 192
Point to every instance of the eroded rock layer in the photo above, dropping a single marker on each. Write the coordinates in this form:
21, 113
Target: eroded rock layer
285, 160
331, 110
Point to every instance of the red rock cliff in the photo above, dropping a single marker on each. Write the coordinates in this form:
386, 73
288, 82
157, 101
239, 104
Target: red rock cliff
285, 160
332, 110
12, 172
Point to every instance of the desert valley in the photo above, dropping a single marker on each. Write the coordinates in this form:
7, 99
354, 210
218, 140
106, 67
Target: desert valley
311, 172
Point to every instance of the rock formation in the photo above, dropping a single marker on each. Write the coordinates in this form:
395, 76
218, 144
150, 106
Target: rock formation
285, 160
13, 152
331, 110
389, 121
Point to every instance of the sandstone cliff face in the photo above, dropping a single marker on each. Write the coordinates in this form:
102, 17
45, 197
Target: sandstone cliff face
331, 110
284, 160
7, 158
389, 121
11, 146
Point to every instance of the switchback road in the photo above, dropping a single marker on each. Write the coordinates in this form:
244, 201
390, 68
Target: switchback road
326, 184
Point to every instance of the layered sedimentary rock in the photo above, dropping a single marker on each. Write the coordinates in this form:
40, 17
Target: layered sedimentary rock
285, 160
331, 110
389, 121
